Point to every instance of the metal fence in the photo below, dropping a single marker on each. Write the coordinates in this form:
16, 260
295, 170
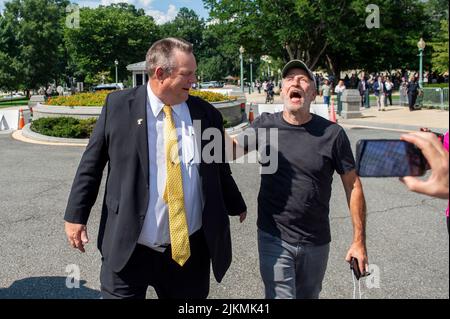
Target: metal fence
437, 97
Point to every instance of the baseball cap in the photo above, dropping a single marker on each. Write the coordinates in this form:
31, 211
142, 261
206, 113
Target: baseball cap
297, 64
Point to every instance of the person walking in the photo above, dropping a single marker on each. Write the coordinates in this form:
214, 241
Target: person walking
165, 210
294, 200
412, 89
339, 89
325, 92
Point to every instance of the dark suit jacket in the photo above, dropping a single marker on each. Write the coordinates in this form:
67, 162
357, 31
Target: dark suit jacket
376, 88
361, 90
120, 142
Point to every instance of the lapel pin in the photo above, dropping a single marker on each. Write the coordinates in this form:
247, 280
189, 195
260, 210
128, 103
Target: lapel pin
139, 121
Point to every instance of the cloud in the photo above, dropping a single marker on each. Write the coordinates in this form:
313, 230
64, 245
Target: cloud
136, 3
163, 17
144, 3
108, 2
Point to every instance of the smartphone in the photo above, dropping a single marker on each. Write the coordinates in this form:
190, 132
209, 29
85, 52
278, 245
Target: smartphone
355, 268
389, 158
440, 136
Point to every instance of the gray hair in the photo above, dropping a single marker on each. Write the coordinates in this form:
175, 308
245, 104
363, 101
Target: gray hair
160, 54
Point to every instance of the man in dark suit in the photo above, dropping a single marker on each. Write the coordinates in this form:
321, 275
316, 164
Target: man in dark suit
165, 213
363, 88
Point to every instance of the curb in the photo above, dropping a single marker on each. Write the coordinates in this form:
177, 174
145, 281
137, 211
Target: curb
27, 132
386, 126
28, 136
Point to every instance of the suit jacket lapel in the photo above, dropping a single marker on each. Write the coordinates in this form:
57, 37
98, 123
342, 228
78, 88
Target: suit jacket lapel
138, 127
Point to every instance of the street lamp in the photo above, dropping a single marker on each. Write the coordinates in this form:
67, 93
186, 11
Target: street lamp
241, 52
116, 63
421, 46
251, 75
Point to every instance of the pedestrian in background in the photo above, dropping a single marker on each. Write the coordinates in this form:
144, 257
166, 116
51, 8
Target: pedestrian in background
339, 89
325, 92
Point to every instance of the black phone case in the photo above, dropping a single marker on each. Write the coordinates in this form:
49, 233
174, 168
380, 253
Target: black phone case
354, 267
360, 147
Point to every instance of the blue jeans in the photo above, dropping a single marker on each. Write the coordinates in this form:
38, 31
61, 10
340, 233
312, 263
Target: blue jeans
326, 100
291, 271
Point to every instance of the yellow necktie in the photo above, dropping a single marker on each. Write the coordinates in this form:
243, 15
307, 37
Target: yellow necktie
173, 194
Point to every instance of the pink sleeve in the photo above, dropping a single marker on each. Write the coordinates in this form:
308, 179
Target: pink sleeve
446, 140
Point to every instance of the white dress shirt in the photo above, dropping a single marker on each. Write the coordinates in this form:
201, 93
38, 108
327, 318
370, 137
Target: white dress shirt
155, 231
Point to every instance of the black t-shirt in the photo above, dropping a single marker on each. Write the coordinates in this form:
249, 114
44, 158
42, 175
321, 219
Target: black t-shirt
293, 200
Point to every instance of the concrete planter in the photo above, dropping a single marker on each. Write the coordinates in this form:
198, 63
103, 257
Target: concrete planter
79, 112
231, 111
351, 101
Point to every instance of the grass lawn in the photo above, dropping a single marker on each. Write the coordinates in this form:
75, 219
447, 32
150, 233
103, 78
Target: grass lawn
4, 104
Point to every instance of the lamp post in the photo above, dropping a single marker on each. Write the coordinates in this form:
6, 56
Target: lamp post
251, 75
241, 52
116, 63
421, 46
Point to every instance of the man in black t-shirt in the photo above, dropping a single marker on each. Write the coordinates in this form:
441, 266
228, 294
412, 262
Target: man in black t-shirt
293, 201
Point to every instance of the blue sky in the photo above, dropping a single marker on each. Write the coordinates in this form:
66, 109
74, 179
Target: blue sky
161, 10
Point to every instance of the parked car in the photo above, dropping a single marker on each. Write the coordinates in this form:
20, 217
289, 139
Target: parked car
109, 86
211, 84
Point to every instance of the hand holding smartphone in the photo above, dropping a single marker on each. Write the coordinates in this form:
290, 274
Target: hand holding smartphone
355, 268
389, 158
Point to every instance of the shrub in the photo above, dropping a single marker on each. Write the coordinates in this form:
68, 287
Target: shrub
211, 96
68, 127
98, 98
80, 99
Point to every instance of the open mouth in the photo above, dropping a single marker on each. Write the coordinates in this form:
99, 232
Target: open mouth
295, 96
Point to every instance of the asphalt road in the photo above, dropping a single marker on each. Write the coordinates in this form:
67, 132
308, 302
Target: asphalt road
407, 239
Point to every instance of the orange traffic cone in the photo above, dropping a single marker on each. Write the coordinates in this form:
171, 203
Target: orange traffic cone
332, 113
251, 116
21, 119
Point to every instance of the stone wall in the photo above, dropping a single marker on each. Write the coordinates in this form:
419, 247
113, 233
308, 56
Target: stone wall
231, 111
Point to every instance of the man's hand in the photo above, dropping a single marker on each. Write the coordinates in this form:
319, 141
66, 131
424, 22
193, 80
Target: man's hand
77, 235
242, 216
358, 251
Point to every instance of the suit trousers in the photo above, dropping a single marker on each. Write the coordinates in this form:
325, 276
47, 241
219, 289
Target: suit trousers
148, 267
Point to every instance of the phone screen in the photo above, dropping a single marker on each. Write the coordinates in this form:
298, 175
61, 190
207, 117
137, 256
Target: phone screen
388, 158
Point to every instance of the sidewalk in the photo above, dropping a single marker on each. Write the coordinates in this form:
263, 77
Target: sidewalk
393, 118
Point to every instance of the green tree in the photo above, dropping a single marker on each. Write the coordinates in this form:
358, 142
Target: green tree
31, 29
327, 33
394, 44
439, 44
291, 29
8, 56
186, 25
118, 31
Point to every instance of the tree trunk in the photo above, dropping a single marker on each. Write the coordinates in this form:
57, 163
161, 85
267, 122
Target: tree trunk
333, 67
